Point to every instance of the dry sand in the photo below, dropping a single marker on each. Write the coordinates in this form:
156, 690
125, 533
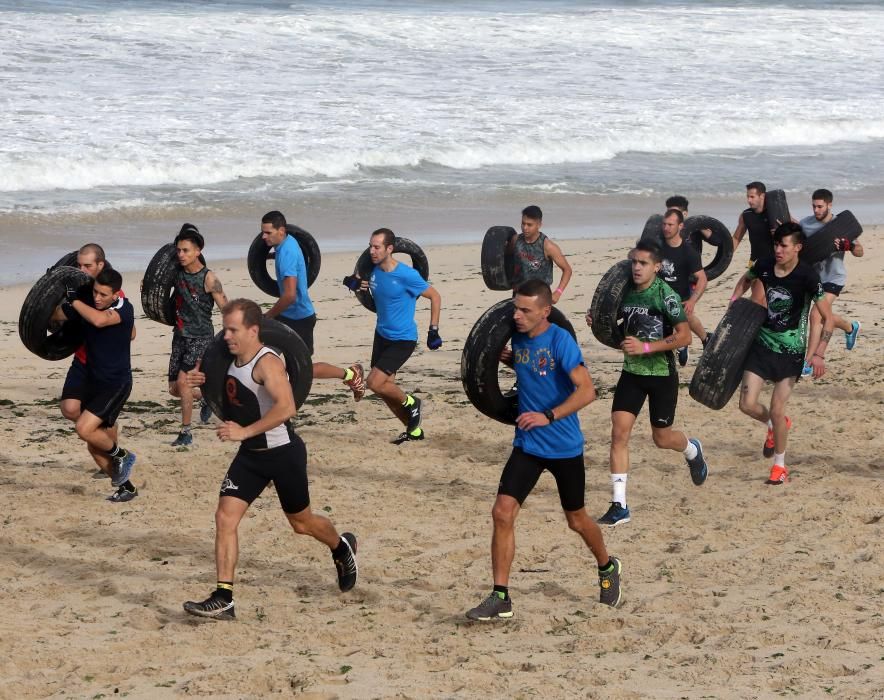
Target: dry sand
734, 589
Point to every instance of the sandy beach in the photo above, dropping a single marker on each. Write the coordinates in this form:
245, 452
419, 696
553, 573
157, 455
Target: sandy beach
731, 590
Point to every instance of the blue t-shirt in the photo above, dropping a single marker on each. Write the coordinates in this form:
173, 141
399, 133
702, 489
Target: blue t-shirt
543, 365
395, 296
290, 263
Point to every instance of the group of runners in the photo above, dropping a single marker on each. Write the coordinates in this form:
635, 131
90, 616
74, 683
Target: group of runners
553, 382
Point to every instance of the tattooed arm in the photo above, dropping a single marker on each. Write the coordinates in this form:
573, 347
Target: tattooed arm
213, 287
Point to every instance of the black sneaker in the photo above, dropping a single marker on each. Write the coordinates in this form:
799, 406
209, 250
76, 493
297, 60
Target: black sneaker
211, 607
121, 495
414, 416
682, 356
609, 584
492, 608
205, 411
346, 566
699, 468
408, 437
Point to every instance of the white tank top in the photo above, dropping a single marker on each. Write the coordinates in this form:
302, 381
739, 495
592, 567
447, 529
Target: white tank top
246, 401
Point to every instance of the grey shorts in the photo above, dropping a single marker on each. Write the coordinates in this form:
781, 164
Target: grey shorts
186, 352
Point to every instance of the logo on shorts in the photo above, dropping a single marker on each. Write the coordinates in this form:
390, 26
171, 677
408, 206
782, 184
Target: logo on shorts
228, 485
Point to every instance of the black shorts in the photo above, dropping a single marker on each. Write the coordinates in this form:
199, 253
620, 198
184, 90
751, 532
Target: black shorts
285, 466
773, 366
661, 393
523, 470
186, 352
74, 382
389, 355
105, 401
303, 327
833, 288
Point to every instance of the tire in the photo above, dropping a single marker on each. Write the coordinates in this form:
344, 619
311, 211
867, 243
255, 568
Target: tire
497, 264
822, 244
777, 208
400, 245
274, 334
606, 301
653, 229
720, 368
34, 320
721, 239
259, 254
480, 359
158, 286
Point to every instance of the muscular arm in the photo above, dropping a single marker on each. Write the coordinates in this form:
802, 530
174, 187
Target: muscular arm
680, 338
286, 299
742, 285
270, 372
97, 318
857, 251
739, 232
554, 253
583, 395
435, 304
213, 287
817, 360
698, 290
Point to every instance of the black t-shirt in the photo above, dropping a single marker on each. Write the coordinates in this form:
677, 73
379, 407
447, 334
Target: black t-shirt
760, 237
679, 263
108, 348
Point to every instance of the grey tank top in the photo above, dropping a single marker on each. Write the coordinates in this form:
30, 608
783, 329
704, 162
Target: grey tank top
530, 262
193, 305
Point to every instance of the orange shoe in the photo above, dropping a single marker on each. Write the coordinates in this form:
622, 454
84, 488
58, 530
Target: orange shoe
768, 449
778, 475
357, 382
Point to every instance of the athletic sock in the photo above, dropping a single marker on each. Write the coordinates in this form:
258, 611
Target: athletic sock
349, 374
618, 484
416, 433
503, 592
185, 428
607, 567
690, 451
224, 591
409, 401
341, 550
769, 424
779, 460
117, 452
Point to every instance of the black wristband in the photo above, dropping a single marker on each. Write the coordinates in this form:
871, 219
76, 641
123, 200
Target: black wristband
550, 416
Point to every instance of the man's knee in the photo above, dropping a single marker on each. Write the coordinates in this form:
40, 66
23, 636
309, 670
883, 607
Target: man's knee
70, 409
578, 520
376, 381
225, 521
661, 436
300, 522
173, 389
504, 512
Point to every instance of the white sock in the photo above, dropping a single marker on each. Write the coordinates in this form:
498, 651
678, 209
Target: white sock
769, 424
690, 451
618, 487
779, 460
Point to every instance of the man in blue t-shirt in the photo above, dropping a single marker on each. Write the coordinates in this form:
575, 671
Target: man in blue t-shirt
395, 288
554, 384
294, 308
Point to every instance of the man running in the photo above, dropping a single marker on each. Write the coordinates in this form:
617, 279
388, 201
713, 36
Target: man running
554, 384
395, 288
258, 405
832, 272
654, 324
777, 355
196, 289
294, 307
534, 254
754, 220
108, 326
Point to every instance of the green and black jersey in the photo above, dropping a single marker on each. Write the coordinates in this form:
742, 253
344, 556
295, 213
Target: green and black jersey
649, 315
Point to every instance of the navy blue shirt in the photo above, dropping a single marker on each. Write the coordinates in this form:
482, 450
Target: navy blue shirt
108, 348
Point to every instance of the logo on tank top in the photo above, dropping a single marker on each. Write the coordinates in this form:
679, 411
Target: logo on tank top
230, 389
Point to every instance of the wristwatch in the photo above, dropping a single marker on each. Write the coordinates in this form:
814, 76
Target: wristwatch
550, 416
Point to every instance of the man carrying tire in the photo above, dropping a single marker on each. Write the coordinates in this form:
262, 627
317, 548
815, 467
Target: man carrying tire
654, 324
534, 254
196, 289
754, 220
258, 404
554, 384
108, 326
777, 355
395, 288
832, 272
294, 307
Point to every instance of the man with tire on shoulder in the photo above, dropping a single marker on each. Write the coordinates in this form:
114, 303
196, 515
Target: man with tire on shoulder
832, 272
196, 289
554, 384
654, 324
534, 254
753, 220
395, 288
294, 307
258, 405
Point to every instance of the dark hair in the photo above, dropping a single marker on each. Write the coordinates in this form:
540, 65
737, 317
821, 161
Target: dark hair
674, 212
95, 249
191, 233
110, 278
533, 212
790, 228
251, 312
649, 246
536, 288
677, 201
389, 236
757, 186
824, 195
274, 218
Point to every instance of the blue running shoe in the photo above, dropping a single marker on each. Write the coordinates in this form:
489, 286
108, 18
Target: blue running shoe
184, 439
807, 370
850, 338
616, 514
123, 469
699, 468
205, 411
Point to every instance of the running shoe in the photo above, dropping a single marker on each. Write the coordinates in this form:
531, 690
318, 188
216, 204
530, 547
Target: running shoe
778, 475
492, 608
346, 565
768, 450
123, 469
616, 514
357, 382
205, 411
414, 416
807, 370
405, 436
850, 338
184, 439
609, 584
682, 356
698, 466
212, 607
121, 495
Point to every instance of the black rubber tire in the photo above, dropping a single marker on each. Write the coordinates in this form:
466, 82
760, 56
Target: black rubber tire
36, 311
720, 368
721, 239
606, 301
497, 264
481, 357
653, 229
274, 334
364, 266
158, 285
821, 244
259, 254
777, 208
